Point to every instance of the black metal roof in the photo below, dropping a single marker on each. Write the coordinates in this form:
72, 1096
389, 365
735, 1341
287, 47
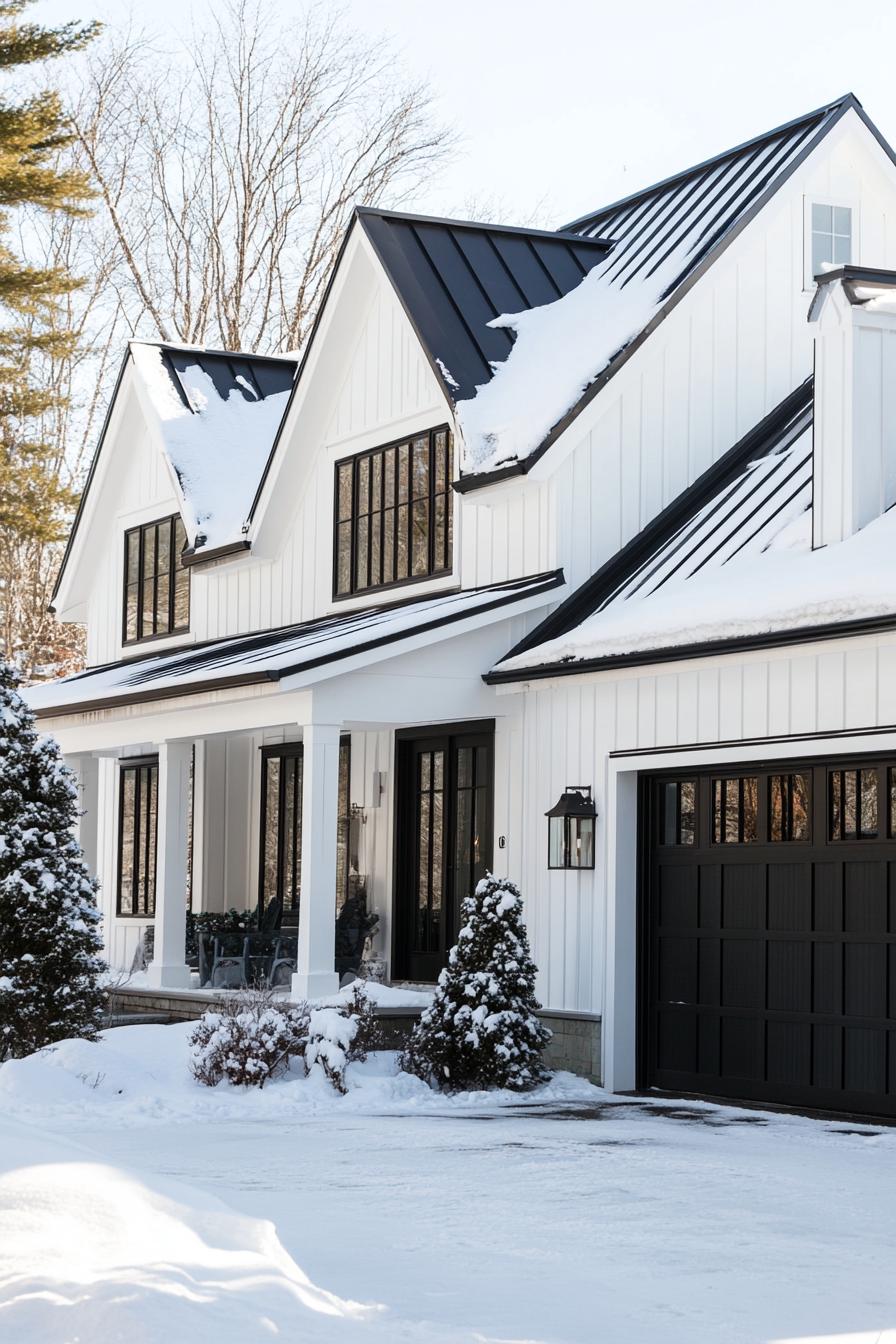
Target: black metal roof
453, 277
695, 213
739, 502
253, 376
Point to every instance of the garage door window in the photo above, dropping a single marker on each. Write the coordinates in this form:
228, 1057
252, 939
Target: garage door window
735, 810
788, 807
853, 804
678, 812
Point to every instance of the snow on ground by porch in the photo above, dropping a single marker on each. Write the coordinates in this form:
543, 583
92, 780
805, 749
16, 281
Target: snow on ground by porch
566, 1217
786, 587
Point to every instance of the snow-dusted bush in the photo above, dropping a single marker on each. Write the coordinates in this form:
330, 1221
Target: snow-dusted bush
49, 922
481, 1030
247, 1040
341, 1036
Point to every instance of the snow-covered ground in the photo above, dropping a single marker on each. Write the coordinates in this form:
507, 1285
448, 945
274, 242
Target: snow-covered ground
136, 1206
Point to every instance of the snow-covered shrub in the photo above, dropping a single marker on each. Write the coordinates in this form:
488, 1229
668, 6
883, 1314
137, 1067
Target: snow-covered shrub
247, 1040
481, 1030
341, 1036
49, 922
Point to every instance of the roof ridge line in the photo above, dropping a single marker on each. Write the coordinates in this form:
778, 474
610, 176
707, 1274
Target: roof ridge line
825, 110
549, 234
212, 350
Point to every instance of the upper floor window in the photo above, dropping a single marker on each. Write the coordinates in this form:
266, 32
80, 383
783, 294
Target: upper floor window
156, 583
393, 514
831, 236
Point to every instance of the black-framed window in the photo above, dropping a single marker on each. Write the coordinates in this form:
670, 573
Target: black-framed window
137, 825
156, 581
281, 826
853, 804
393, 514
789, 807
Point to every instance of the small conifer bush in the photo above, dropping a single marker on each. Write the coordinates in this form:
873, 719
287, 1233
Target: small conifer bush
481, 1031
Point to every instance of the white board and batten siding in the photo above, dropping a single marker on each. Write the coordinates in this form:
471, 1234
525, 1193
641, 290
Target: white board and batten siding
569, 728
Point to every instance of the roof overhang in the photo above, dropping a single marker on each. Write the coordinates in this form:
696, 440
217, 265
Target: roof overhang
296, 655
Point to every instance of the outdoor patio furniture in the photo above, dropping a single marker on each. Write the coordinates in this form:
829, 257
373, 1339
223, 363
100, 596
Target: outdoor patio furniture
283, 963
230, 962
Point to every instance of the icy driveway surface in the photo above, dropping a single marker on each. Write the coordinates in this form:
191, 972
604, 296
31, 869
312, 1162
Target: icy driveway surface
678, 1224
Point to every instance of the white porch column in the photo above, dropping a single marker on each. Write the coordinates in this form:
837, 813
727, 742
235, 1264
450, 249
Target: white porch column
168, 968
86, 770
315, 974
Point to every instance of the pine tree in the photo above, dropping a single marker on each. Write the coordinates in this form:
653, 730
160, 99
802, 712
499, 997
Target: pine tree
35, 501
481, 1031
49, 922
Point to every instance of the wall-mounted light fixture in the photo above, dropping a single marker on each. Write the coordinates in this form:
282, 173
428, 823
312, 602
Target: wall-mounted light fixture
571, 829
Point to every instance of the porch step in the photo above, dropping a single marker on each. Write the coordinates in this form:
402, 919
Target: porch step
138, 1020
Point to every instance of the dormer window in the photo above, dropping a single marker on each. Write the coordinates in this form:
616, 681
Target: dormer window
830, 242
156, 583
393, 514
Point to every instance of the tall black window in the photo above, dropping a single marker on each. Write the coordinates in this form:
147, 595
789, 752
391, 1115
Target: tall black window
393, 514
281, 826
156, 583
137, 820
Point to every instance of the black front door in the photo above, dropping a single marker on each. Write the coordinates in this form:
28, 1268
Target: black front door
769, 956
443, 841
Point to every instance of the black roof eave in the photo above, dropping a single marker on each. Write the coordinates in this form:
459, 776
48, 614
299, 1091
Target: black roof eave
480, 480
625, 562
711, 648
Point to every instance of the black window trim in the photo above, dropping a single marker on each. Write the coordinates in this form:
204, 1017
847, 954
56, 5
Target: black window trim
140, 528
353, 458
126, 764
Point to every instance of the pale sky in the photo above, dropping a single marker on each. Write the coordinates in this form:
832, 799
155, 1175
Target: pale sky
564, 105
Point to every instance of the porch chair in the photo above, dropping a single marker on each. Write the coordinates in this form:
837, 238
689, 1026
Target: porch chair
283, 963
230, 968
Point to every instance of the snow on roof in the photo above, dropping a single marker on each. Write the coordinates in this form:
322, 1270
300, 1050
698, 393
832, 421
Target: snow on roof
741, 565
274, 654
660, 236
218, 414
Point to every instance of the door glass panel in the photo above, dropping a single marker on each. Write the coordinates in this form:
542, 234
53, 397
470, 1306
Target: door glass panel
269, 840
853, 804
735, 809
289, 838
788, 806
678, 804
126, 861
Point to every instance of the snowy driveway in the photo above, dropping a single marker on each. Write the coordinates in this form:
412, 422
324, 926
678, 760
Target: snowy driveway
688, 1224
579, 1219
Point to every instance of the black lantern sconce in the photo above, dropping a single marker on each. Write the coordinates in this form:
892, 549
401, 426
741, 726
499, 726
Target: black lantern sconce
571, 829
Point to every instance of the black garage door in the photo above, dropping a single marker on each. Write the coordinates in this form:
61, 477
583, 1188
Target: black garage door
769, 934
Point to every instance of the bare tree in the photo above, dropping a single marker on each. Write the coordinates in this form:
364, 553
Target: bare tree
228, 168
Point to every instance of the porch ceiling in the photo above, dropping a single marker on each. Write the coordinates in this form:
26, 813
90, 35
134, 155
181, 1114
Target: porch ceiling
272, 655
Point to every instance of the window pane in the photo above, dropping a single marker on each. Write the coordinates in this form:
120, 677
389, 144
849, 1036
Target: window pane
361, 576
821, 252
344, 558
421, 537
853, 804
344, 490
401, 564
181, 599
133, 594
269, 839
149, 595
133, 558
162, 609
441, 457
376, 552
151, 824
164, 550
822, 218
421, 468
363, 485
376, 482
841, 251
439, 533
389, 477
388, 545
788, 805
735, 806
403, 468
842, 219
126, 854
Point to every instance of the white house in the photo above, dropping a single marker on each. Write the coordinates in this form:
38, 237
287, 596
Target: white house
363, 617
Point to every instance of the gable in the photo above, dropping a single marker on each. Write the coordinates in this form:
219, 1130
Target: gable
664, 240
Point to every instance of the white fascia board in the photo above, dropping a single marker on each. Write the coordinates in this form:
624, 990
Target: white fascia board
72, 593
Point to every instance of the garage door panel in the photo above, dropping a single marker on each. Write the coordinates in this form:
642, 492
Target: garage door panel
770, 942
828, 898
743, 1048
743, 973
790, 897
678, 897
865, 897
789, 1053
743, 896
865, 980
789, 976
678, 970
864, 1060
